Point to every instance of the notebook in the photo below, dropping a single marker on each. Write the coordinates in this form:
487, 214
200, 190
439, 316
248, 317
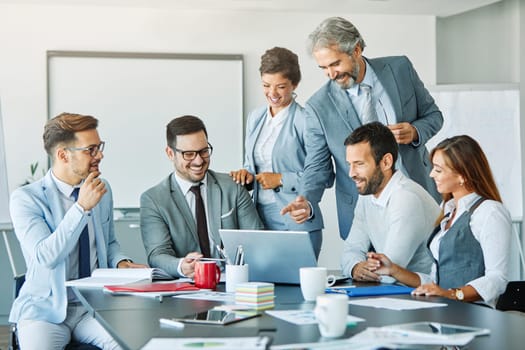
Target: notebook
272, 256
371, 291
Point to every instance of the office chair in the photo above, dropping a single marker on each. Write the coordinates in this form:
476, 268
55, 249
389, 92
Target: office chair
19, 280
513, 298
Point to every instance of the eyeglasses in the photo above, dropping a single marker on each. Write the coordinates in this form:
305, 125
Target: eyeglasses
191, 155
93, 150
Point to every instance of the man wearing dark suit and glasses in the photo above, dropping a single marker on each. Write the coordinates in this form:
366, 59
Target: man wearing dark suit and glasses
180, 217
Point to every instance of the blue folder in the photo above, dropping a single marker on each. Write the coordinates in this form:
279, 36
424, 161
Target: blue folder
371, 291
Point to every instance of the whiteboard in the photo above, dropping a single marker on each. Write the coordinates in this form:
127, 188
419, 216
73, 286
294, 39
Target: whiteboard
135, 95
4, 189
492, 117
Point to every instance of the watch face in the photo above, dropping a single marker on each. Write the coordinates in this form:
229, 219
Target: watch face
459, 294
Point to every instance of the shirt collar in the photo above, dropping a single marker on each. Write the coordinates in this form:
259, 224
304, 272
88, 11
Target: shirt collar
369, 79
385, 195
464, 203
64, 188
185, 185
279, 117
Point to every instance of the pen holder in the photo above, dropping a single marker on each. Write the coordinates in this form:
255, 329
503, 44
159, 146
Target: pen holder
236, 274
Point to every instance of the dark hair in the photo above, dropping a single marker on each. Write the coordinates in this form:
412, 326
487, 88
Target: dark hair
335, 31
62, 128
380, 138
281, 60
187, 124
464, 155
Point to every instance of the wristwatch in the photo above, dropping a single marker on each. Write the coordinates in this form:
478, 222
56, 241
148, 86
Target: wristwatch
459, 294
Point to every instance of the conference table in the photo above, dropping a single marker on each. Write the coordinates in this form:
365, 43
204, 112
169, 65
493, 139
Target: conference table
134, 320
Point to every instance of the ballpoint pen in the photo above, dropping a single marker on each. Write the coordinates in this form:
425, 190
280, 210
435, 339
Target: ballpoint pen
222, 252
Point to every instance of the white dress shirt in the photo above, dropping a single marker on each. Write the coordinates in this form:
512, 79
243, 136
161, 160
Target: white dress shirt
262, 153
491, 225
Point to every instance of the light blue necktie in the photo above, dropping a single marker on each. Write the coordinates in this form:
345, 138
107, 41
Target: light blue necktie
368, 114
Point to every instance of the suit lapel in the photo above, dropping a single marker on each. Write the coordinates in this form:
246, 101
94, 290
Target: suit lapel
179, 200
214, 199
53, 198
344, 106
386, 77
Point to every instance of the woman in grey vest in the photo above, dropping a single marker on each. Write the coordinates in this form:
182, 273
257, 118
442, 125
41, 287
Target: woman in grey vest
470, 246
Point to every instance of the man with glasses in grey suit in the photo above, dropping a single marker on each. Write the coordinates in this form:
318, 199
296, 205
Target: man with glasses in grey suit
180, 217
398, 98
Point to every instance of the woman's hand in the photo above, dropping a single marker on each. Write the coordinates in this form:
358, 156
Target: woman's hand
433, 289
242, 176
380, 264
269, 181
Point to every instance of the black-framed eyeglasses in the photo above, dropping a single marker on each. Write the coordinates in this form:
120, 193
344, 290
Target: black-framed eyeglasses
93, 149
191, 155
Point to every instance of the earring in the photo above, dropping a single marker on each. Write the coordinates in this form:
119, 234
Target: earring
461, 183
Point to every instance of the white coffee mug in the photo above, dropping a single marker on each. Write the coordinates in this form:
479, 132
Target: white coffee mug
331, 311
235, 274
314, 281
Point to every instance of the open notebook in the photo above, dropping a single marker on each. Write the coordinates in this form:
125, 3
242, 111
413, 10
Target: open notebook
102, 277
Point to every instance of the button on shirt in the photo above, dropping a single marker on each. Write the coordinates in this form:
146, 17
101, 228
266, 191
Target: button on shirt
67, 203
491, 225
262, 153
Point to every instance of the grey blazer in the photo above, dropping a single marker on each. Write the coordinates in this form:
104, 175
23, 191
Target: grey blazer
288, 157
168, 228
331, 117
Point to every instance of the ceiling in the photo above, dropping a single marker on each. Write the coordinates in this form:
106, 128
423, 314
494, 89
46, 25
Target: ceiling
440, 8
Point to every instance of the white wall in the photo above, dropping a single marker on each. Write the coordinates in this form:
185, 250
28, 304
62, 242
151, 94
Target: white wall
27, 31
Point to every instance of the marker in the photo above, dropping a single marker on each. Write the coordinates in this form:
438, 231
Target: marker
171, 323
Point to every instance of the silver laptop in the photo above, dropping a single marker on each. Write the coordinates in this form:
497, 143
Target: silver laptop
272, 256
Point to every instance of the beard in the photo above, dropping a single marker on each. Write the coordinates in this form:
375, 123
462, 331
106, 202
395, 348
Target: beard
352, 75
373, 183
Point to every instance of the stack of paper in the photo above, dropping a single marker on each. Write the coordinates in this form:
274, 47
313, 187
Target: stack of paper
102, 277
256, 295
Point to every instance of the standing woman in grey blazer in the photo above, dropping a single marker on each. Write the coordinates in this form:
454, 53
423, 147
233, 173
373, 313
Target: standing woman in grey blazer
274, 146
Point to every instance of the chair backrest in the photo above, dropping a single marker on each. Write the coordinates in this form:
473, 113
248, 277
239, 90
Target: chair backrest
513, 298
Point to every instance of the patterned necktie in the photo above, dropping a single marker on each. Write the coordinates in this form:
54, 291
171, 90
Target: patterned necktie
84, 259
368, 114
200, 217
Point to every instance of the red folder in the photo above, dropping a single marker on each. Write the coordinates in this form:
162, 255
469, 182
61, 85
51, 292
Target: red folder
153, 287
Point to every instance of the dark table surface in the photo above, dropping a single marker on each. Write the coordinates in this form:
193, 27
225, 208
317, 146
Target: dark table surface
133, 320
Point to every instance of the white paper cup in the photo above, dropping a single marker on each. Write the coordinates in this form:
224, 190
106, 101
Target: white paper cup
235, 274
331, 311
314, 281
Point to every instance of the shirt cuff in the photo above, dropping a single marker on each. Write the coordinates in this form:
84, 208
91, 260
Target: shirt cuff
82, 211
179, 268
418, 142
311, 211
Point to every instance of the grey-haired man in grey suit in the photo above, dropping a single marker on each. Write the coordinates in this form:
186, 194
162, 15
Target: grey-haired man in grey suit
399, 100
168, 218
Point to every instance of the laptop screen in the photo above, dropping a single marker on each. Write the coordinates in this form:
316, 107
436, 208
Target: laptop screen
272, 256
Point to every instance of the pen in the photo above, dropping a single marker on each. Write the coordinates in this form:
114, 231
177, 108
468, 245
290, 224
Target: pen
222, 252
238, 255
241, 255
207, 259
171, 323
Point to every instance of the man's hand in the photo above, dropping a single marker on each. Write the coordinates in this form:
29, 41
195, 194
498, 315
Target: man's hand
188, 264
404, 133
242, 176
91, 191
299, 210
269, 181
363, 271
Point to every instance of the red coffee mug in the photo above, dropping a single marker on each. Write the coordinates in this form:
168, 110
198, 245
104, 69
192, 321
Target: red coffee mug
207, 274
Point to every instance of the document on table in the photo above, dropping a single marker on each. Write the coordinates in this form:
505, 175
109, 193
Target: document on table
210, 295
303, 317
248, 343
385, 335
395, 304
342, 344
102, 277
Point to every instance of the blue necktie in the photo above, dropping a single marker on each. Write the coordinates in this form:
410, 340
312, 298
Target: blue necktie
84, 260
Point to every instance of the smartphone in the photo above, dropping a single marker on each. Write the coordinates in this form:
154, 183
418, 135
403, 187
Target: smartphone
218, 317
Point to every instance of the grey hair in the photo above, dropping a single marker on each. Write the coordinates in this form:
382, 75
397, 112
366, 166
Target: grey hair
335, 31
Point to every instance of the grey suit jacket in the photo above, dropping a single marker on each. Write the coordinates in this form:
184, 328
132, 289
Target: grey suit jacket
168, 228
288, 157
331, 117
